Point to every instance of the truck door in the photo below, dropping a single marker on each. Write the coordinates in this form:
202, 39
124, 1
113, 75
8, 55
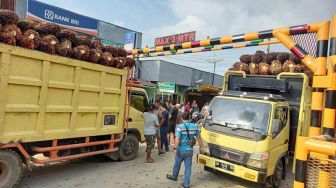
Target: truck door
280, 136
138, 104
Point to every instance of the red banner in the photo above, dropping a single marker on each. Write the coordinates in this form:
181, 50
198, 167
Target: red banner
177, 38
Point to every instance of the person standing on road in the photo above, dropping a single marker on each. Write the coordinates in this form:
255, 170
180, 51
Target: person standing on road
186, 133
151, 122
163, 126
172, 122
158, 113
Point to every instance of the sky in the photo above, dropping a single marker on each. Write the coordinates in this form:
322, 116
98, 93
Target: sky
213, 18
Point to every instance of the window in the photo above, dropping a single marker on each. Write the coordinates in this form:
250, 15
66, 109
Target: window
138, 101
281, 113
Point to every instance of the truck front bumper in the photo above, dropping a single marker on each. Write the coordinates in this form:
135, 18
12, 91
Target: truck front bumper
235, 170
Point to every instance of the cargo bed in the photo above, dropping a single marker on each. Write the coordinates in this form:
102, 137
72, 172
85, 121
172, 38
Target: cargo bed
45, 97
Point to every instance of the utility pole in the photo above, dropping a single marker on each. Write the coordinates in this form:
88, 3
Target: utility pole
214, 61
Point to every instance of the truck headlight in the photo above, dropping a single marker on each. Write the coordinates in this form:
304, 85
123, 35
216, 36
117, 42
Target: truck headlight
258, 160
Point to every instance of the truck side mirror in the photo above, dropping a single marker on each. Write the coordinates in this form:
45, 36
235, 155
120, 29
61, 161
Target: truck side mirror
276, 126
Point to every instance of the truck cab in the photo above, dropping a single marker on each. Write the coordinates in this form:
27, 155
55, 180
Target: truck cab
138, 103
250, 128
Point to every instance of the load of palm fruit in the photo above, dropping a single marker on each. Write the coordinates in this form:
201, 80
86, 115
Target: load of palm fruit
10, 34
51, 38
272, 63
283, 57
106, 59
81, 52
25, 25
276, 67
120, 62
82, 40
254, 68
96, 43
30, 39
95, 55
46, 28
264, 69
295, 59
64, 48
66, 34
8, 17
268, 58
245, 58
49, 44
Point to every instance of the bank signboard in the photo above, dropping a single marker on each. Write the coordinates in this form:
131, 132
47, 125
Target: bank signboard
177, 38
166, 87
43, 12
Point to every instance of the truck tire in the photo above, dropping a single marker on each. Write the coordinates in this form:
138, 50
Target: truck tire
10, 168
274, 181
128, 148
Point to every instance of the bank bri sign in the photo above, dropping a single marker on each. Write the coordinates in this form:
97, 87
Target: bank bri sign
43, 12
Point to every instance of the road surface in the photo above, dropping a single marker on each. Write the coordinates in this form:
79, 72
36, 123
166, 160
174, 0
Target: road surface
101, 172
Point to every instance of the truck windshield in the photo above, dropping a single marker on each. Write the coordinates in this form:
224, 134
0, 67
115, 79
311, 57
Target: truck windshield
239, 114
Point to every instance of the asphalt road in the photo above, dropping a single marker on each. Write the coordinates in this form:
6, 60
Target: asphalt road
101, 172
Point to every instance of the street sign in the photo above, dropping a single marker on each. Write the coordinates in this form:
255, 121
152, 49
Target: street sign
166, 87
43, 12
177, 38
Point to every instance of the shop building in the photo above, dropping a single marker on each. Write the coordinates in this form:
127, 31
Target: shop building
179, 82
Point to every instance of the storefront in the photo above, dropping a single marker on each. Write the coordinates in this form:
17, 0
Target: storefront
179, 83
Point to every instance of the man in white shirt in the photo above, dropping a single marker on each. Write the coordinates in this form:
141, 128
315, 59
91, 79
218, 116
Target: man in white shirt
151, 122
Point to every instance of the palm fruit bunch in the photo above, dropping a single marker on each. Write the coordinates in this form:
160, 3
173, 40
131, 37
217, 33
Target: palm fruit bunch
257, 57
298, 68
121, 52
235, 66
64, 48
120, 62
283, 57
268, 58
288, 66
130, 62
264, 69
96, 43
295, 59
49, 44
112, 49
30, 39
81, 52
25, 25
66, 34
245, 58
8, 17
82, 40
254, 68
106, 59
46, 28
10, 34
243, 67
95, 55
275, 67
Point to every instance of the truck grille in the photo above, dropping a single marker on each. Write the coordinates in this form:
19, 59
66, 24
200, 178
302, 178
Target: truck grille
228, 154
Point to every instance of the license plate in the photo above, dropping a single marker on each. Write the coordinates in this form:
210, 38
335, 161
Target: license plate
224, 166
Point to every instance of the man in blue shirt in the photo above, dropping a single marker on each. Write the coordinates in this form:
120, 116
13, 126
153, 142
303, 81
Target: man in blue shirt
185, 132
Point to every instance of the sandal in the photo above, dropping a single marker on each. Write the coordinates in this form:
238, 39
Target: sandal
182, 185
170, 177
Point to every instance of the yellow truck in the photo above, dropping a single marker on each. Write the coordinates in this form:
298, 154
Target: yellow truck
251, 127
64, 109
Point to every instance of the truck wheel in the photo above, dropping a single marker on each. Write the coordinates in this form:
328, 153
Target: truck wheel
128, 148
10, 168
274, 181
